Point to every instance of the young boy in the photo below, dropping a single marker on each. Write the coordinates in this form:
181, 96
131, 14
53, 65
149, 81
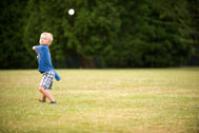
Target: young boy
46, 67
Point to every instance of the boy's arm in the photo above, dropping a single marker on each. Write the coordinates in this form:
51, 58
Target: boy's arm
36, 49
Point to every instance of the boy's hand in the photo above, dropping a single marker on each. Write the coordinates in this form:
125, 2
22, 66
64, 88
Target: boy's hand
34, 47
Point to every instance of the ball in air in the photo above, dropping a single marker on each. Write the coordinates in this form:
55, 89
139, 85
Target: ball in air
71, 11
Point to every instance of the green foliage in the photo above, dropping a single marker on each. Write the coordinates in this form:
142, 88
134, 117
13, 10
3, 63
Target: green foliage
12, 50
100, 34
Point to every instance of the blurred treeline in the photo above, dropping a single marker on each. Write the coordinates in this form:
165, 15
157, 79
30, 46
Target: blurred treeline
102, 33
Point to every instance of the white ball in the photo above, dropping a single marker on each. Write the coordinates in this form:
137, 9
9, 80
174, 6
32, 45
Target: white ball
71, 11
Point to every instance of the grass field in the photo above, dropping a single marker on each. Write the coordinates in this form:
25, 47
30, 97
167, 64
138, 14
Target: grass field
102, 101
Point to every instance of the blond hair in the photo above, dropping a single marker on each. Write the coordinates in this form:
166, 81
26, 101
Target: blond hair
46, 35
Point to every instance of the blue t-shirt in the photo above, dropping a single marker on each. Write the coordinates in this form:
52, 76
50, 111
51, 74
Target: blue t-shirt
44, 60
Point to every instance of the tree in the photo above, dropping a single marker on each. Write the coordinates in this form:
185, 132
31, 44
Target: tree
138, 33
12, 51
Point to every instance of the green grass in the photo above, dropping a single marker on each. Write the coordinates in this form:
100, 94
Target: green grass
102, 101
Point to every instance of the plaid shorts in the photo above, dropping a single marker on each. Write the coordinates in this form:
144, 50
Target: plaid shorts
47, 80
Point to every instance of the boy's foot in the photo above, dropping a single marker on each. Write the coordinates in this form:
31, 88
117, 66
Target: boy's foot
42, 101
53, 102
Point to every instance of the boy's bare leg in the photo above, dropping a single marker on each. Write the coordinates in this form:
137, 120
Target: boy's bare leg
50, 96
46, 93
41, 90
